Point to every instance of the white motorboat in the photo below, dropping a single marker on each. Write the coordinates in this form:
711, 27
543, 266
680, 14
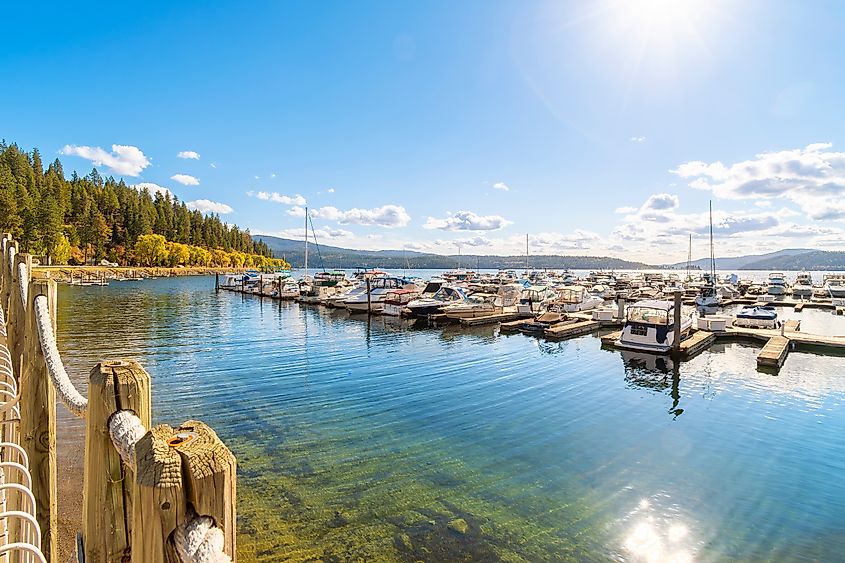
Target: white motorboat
432, 304
575, 298
483, 304
650, 326
397, 300
803, 285
777, 284
379, 288
834, 285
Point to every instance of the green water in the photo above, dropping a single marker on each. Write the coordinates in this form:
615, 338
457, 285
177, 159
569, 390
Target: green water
385, 441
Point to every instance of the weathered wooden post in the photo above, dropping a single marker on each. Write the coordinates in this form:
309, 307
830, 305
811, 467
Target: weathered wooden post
106, 521
676, 343
216, 282
620, 307
181, 472
38, 419
369, 298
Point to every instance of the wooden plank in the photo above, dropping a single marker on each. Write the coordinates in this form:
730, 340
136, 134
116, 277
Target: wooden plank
570, 330
491, 319
791, 325
512, 326
774, 352
38, 420
107, 498
799, 307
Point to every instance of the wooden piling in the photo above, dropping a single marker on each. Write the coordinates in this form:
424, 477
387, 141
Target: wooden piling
107, 493
181, 471
369, 298
676, 342
38, 419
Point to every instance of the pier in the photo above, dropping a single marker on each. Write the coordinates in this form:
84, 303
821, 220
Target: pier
150, 493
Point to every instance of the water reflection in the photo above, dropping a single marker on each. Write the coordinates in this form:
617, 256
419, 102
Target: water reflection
655, 537
654, 372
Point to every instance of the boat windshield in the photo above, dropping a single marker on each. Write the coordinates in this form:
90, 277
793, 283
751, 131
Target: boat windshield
446, 294
648, 315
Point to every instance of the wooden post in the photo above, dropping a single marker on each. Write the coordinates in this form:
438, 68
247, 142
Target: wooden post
107, 504
369, 298
38, 419
620, 307
18, 314
178, 469
676, 344
216, 282
261, 285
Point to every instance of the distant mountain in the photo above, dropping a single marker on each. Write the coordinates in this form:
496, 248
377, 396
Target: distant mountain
335, 257
752, 261
812, 260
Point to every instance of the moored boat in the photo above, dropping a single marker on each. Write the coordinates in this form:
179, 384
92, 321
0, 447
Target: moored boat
757, 317
650, 326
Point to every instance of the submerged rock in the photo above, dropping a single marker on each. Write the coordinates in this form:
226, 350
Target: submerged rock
459, 525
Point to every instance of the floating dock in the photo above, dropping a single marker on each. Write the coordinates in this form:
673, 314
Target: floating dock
572, 329
774, 352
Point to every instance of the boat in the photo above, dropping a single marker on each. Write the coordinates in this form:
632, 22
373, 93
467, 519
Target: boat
650, 327
379, 288
708, 296
834, 285
397, 300
777, 284
803, 285
289, 289
426, 305
535, 298
484, 304
760, 316
574, 298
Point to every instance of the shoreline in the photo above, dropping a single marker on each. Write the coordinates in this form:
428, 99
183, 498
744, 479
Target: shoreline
67, 273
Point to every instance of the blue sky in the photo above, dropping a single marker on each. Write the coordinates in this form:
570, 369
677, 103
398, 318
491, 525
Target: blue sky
595, 127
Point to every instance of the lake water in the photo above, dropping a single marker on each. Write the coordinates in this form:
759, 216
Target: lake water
363, 440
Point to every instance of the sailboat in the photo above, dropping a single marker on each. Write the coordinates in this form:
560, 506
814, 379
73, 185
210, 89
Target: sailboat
709, 296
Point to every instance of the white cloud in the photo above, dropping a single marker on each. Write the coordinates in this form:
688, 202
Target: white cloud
273, 175
152, 188
812, 177
501, 186
193, 155
276, 197
185, 179
625, 210
661, 202
388, 216
208, 206
474, 241
330, 190
296, 211
467, 221
322, 234
124, 159
213, 165
636, 139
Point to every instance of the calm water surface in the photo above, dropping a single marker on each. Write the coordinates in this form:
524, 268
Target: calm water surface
360, 440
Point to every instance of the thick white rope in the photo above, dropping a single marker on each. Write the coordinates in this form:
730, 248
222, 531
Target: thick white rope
197, 539
73, 399
23, 283
125, 430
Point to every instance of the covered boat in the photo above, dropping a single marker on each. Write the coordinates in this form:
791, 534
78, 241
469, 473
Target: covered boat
757, 317
398, 299
379, 288
650, 327
575, 298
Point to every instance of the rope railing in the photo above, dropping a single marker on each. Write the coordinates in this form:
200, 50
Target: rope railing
203, 531
65, 389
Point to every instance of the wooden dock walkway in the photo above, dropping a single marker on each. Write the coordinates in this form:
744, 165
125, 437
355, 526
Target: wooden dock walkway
774, 352
497, 318
697, 342
573, 329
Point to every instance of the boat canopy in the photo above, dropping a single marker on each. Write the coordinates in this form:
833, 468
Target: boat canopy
652, 311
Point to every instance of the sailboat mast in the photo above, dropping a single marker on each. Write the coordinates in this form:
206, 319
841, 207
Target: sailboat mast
306, 242
712, 255
526, 253
689, 256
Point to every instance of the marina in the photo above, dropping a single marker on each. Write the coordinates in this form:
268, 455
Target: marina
499, 431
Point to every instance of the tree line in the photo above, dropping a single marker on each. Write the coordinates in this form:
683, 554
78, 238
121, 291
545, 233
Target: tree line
87, 219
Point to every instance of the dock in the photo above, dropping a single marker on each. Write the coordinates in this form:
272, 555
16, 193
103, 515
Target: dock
697, 342
573, 329
497, 318
774, 352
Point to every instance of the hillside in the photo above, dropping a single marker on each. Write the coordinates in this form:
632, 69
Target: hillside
812, 260
335, 257
745, 262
